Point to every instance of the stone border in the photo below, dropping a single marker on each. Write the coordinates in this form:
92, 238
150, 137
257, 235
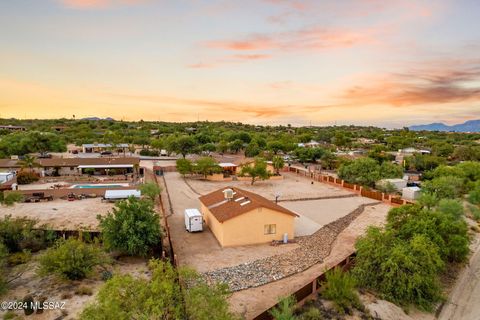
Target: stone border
313, 249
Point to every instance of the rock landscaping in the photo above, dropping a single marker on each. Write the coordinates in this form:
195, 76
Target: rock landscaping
313, 249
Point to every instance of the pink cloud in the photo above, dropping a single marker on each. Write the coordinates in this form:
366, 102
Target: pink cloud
97, 4
313, 38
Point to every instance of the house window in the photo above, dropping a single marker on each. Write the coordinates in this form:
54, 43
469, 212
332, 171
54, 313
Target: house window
270, 229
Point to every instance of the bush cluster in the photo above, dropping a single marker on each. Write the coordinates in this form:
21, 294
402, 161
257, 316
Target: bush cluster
26, 177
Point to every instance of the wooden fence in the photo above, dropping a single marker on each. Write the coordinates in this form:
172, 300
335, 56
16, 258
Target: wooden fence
372, 194
310, 288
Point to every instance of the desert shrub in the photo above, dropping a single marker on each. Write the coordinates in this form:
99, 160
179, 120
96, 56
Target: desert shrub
149, 153
312, 313
133, 227
19, 258
26, 177
124, 297
474, 194
12, 197
83, 291
285, 309
475, 212
72, 259
340, 288
17, 234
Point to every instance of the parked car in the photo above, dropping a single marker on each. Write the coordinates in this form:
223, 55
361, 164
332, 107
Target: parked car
106, 153
45, 155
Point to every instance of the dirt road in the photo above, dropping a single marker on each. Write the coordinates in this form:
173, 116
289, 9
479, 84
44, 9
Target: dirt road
463, 301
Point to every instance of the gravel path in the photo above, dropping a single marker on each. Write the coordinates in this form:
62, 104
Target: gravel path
313, 249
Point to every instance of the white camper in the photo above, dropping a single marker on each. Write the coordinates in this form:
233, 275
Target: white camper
193, 220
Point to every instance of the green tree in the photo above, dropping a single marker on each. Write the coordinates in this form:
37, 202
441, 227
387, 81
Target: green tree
184, 145
256, 171
363, 171
133, 227
184, 166
222, 146
444, 187
252, 149
207, 166
151, 190
404, 272
72, 259
235, 146
275, 146
278, 163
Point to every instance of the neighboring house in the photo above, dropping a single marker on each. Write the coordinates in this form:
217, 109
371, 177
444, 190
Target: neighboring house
228, 168
77, 166
311, 144
238, 217
13, 128
99, 147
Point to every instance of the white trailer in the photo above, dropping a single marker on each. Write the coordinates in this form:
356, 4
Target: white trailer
112, 195
193, 220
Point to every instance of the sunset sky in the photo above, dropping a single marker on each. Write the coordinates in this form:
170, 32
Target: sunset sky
371, 62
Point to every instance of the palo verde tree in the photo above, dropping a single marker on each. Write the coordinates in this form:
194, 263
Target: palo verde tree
133, 227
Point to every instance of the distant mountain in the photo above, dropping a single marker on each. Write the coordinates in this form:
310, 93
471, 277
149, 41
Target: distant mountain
468, 126
97, 119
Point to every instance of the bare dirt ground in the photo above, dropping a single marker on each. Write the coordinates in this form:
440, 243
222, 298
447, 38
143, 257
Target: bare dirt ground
292, 187
57, 290
314, 214
251, 302
463, 302
61, 214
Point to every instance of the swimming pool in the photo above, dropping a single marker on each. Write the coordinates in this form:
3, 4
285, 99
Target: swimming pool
97, 186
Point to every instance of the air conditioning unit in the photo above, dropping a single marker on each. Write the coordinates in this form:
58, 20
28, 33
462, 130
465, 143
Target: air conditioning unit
228, 194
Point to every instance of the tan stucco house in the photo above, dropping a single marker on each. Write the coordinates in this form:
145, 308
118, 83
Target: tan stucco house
238, 217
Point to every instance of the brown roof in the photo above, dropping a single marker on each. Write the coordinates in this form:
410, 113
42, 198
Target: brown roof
72, 162
224, 210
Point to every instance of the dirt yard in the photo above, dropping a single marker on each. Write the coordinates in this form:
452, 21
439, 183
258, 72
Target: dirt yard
292, 187
61, 214
314, 214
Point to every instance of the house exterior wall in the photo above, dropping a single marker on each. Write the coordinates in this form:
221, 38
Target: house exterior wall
248, 228
214, 225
